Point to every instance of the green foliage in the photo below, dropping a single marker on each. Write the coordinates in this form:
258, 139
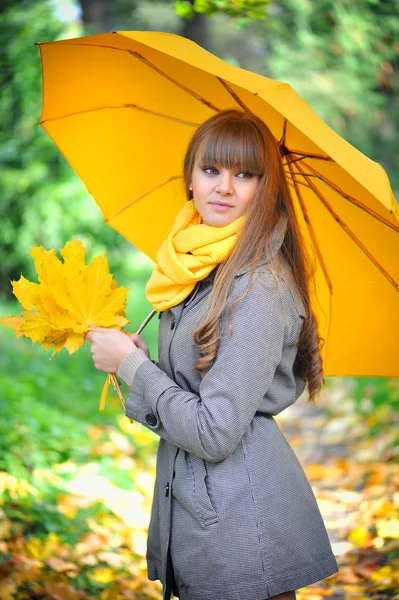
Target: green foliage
27, 160
45, 408
36, 435
374, 401
373, 392
239, 9
40, 516
184, 9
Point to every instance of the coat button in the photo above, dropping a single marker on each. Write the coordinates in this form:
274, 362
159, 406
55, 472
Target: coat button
167, 489
151, 419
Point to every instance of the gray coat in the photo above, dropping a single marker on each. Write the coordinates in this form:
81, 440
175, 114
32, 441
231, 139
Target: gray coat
233, 516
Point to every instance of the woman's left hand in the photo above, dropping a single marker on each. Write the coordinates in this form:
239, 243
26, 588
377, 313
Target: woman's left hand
109, 347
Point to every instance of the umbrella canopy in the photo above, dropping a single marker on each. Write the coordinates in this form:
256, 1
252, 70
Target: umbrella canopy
122, 108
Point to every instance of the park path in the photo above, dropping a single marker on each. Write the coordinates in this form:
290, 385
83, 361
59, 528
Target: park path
351, 463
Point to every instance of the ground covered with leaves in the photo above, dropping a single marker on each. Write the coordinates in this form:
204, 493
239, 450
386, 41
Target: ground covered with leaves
76, 485
79, 531
348, 445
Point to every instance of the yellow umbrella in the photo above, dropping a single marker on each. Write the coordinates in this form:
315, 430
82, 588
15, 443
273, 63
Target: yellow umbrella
122, 107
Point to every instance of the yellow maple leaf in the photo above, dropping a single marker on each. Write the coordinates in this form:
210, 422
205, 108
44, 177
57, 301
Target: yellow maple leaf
48, 266
13, 323
74, 341
27, 293
56, 340
89, 297
69, 297
35, 325
48, 303
74, 254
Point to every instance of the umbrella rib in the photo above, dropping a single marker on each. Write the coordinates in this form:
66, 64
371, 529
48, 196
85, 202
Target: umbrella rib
311, 230
290, 182
155, 187
312, 155
282, 139
349, 232
298, 173
294, 160
351, 199
135, 106
157, 114
291, 172
233, 94
174, 81
291, 162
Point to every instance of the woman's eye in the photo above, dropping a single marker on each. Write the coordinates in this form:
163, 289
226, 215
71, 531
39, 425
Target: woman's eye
245, 175
210, 170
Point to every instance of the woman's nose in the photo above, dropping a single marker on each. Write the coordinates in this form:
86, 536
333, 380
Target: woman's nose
225, 183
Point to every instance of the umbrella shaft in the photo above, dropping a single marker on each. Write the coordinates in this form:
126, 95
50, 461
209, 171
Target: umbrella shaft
146, 321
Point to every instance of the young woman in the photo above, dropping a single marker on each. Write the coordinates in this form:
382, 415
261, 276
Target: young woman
233, 515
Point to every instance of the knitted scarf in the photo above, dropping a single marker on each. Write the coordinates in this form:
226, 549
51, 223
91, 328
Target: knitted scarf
189, 253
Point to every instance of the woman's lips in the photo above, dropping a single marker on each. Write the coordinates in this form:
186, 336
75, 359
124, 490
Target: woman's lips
221, 207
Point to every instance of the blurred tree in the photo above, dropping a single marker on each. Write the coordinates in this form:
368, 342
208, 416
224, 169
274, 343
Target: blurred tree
96, 14
28, 162
194, 24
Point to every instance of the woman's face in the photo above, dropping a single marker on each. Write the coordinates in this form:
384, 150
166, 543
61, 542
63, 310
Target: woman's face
222, 195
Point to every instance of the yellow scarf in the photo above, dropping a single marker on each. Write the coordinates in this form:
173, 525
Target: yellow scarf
189, 253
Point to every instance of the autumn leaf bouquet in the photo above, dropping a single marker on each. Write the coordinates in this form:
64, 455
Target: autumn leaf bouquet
69, 298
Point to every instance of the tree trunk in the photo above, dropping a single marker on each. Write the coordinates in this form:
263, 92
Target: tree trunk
197, 30
96, 15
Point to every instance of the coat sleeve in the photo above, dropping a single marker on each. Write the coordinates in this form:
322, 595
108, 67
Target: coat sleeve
211, 424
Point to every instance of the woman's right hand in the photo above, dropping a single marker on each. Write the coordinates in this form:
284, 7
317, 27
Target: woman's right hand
140, 343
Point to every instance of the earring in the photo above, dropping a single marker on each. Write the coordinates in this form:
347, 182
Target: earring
191, 188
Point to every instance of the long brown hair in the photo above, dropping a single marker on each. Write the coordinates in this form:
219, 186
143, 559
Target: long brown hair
237, 139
